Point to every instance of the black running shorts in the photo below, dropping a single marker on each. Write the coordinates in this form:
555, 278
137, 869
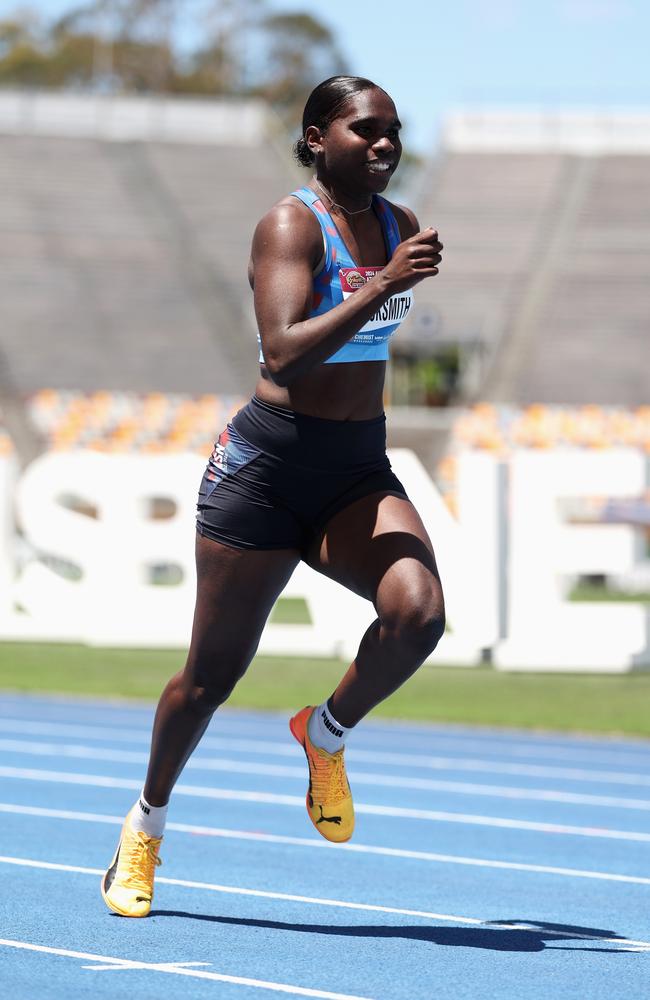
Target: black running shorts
276, 477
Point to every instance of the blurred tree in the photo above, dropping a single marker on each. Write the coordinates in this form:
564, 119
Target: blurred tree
220, 63
131, 45
20, 56
298, 52
132, 42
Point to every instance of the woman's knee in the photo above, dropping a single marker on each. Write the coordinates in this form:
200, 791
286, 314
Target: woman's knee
206, 690
416, 619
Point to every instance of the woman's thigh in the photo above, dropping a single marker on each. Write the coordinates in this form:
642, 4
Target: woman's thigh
236, 591
379, 548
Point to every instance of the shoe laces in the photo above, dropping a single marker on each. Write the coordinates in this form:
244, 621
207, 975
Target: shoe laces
329, 783
142, 860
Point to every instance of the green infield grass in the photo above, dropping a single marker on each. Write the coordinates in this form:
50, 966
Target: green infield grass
481, 696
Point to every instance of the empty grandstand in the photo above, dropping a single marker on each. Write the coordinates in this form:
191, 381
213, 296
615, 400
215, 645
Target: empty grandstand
546, 224
124, 235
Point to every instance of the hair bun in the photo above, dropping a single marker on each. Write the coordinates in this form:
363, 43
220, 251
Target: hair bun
303, 153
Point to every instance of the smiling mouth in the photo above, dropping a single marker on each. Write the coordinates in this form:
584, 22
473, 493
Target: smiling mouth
379, 167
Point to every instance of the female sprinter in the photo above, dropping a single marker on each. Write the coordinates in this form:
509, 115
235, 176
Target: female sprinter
302, 473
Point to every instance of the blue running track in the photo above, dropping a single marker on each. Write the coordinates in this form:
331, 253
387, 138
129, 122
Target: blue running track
485, 864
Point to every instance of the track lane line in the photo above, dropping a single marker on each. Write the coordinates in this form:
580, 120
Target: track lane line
335, 903
273, 838
340, 904
234, 766
285, 749
297, 801
175, 969
513, 743
228, 766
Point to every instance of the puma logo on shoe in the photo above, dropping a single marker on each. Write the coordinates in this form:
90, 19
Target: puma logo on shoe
327, 819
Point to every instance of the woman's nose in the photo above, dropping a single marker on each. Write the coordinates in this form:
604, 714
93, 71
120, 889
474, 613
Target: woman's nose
384, 145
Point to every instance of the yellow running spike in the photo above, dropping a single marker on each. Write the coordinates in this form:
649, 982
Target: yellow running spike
329, 799
127, 886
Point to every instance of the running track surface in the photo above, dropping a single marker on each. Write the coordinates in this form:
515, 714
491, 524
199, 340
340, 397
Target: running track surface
484, 864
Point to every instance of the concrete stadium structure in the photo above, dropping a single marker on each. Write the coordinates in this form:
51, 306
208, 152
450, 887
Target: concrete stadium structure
125, 230
546, 224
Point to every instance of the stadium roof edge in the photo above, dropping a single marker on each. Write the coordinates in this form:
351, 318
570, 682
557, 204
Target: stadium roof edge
585, 132
191, 120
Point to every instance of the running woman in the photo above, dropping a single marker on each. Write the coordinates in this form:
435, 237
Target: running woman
302, 473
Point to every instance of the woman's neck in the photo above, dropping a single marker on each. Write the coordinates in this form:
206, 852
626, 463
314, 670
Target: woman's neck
345, 204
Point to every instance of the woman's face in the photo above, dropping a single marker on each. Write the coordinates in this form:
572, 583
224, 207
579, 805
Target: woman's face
360, 150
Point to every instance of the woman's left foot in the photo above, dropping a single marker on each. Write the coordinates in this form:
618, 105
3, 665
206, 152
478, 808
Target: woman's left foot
329, 799
127, 886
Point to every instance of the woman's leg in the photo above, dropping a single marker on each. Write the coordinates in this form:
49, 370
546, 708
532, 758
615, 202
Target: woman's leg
379, 548
236, 591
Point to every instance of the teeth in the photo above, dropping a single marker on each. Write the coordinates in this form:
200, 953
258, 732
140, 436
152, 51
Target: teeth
379, 167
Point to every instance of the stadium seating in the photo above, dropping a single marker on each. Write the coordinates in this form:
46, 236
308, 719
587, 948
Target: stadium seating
547, 260
591, 333
123, 264
127, 422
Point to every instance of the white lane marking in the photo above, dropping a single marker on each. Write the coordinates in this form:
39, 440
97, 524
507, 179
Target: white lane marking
391, 759
321, 901
425, 744
358, 777
336, 903
492, 743
175, 969
159, 966
297, 801
390, 852
515, 743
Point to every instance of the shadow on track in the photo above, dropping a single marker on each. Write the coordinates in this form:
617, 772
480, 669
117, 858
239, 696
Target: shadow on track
497, 935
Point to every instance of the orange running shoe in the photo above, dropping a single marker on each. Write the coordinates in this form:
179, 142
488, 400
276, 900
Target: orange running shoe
329, 799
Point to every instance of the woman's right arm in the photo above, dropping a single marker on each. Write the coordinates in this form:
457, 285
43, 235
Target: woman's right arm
287, 246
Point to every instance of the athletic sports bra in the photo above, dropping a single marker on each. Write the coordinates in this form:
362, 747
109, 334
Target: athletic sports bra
339, 277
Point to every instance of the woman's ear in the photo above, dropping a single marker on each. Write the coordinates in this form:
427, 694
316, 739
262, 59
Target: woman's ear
314, 139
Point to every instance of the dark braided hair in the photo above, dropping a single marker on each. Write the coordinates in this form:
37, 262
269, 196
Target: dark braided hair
324, 105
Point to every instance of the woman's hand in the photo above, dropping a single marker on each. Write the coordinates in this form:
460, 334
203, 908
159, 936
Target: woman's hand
414, 259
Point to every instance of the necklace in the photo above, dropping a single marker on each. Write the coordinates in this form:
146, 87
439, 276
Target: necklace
333, 204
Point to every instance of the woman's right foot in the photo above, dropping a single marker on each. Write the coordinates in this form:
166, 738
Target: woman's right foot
329, 799
127, 886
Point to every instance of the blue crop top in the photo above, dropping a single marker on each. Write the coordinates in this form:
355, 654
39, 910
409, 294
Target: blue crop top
339, 277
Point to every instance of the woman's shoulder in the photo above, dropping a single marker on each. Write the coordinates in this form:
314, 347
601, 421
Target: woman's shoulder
288, 208
289, 222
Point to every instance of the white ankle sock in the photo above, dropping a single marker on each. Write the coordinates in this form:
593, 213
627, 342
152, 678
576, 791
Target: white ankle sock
324, 731
149, 819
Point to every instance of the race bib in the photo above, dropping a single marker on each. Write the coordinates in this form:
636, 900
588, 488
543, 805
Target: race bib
393, 311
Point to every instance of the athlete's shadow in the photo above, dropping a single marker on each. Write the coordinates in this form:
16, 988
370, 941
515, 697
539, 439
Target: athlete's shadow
498, 935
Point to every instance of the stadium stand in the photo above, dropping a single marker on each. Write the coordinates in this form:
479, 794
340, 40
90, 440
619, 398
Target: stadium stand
151, 423
125, 226
547, 255
123, 261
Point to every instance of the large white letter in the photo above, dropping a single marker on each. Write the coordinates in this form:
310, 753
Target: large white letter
545, 630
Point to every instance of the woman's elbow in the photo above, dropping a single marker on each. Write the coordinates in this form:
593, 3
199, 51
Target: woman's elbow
278, 377
280, 366
277, 369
